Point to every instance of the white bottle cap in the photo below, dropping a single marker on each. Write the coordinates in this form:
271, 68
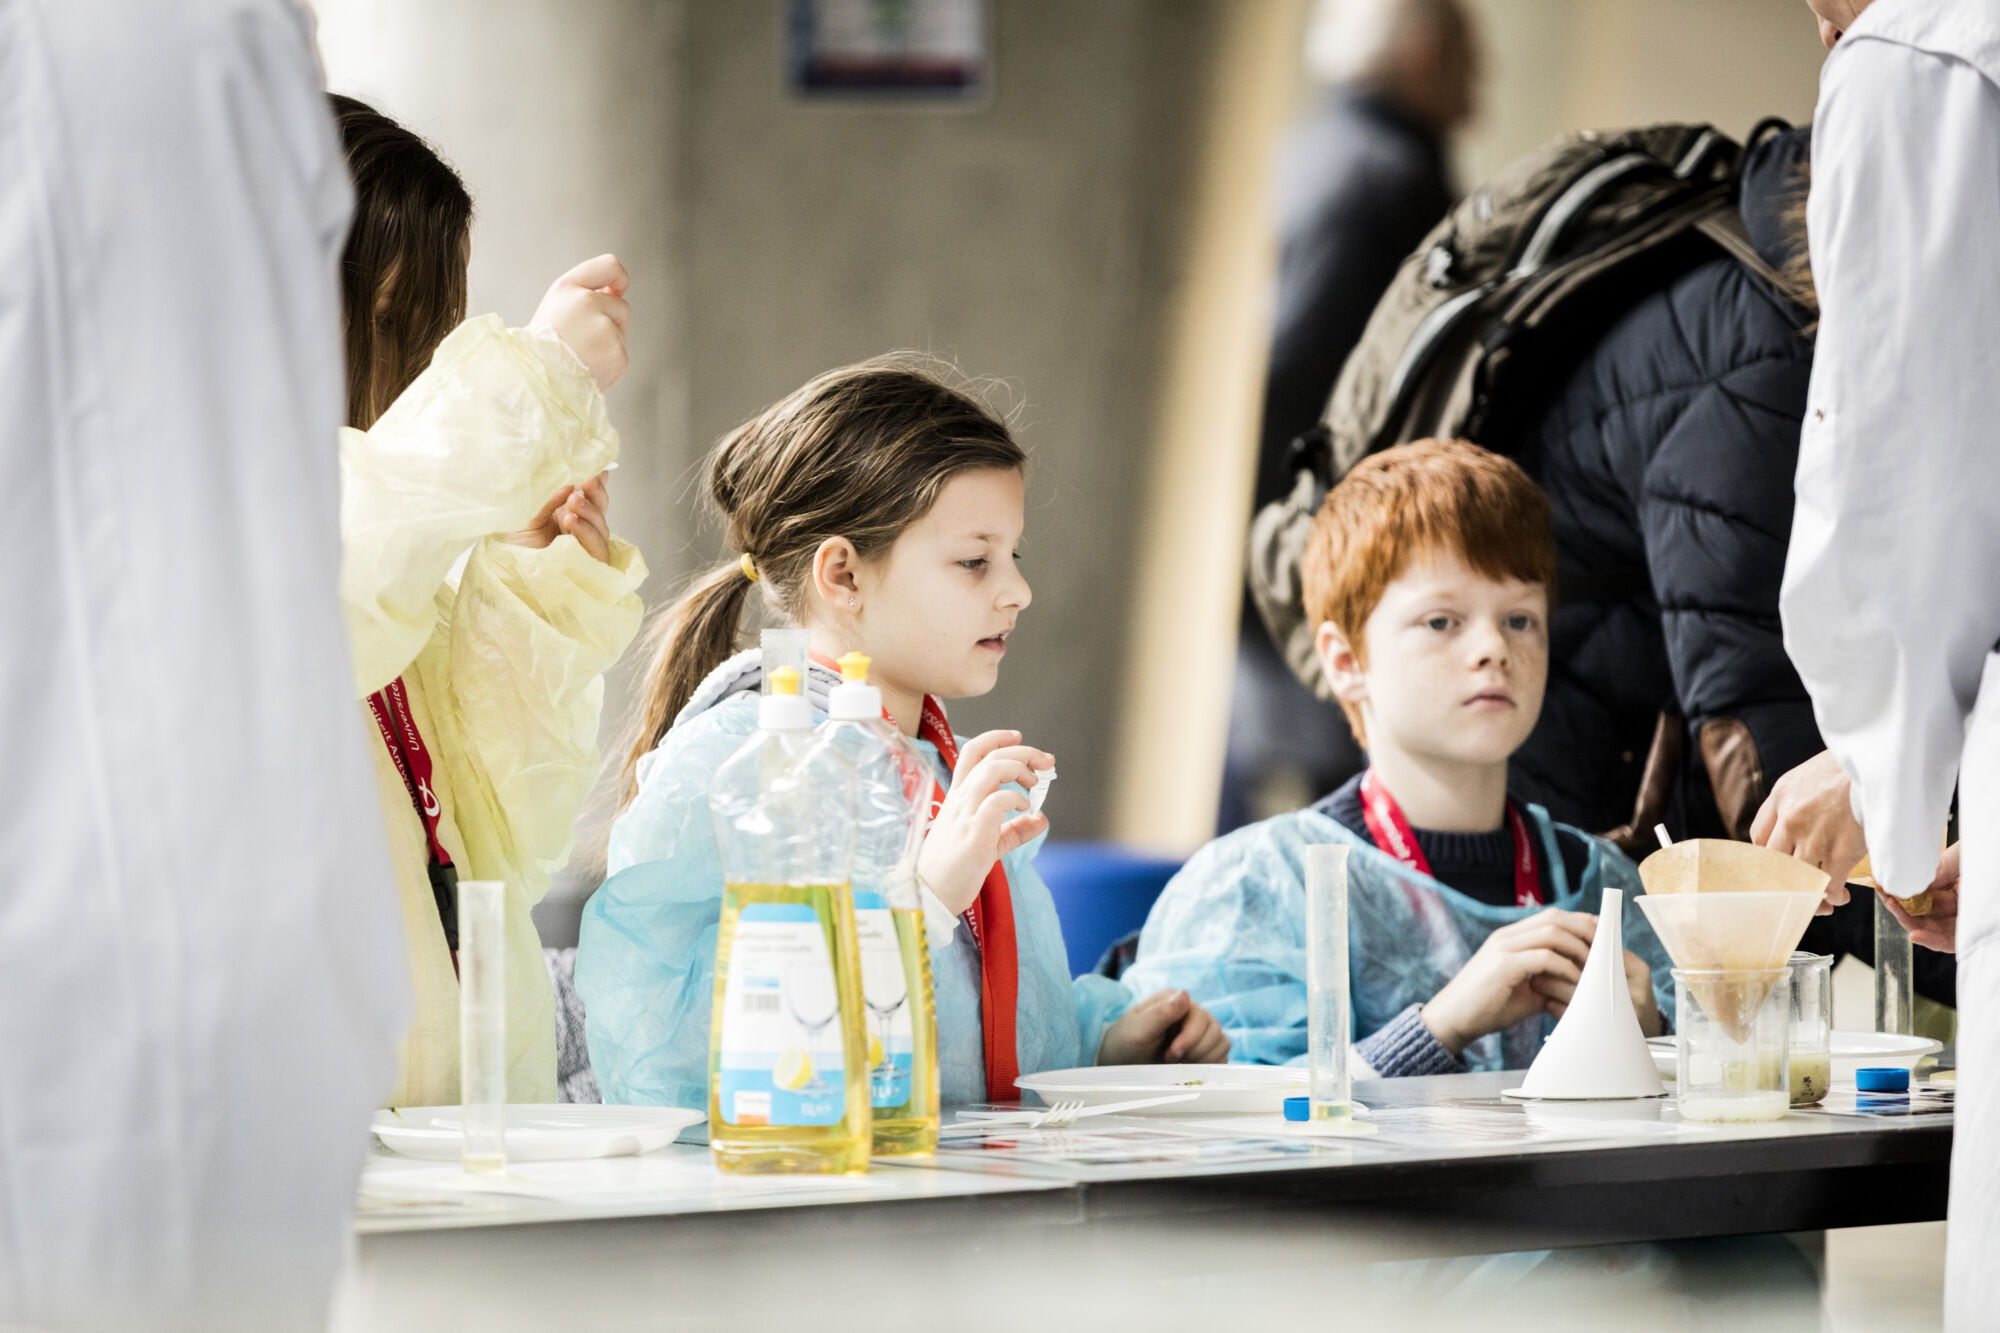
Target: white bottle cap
784, 712
854, 703
784, 709
854, 699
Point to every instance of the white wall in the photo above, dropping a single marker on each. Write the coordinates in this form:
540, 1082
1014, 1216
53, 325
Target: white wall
1559, 65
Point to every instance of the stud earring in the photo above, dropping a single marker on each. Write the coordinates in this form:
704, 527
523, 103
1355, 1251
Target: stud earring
852, 602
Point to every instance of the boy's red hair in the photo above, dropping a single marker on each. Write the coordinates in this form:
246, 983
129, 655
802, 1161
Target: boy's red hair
1426, 498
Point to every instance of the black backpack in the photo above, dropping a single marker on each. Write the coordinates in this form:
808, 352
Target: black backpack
1442, 338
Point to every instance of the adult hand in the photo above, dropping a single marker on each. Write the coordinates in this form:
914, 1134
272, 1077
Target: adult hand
586, 308
1808, 815
1938, 929
1497, 986
1167, 1027
582, 512
1638, 983
972, 829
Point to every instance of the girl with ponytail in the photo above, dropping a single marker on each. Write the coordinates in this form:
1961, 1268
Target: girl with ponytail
878, 508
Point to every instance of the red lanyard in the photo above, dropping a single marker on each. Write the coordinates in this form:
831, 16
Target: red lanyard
1393, 835
391, 707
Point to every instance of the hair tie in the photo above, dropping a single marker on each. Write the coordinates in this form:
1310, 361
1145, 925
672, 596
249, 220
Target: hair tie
749, 568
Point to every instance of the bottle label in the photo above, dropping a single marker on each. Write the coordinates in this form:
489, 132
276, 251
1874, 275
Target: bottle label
782, 1061
885, 990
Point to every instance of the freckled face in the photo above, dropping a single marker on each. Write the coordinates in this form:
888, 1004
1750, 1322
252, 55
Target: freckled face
1457, 662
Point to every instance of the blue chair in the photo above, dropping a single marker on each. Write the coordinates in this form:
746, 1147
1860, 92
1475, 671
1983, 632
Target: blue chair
1102, 892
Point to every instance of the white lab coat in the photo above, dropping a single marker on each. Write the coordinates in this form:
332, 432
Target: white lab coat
1892, 590
201, 968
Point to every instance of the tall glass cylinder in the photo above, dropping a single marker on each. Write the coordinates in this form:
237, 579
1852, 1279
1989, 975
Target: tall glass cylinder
1327, 1016
482, 1022
1894, 964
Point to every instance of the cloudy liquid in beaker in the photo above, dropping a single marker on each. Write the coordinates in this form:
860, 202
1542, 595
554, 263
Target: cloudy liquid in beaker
1812, 1075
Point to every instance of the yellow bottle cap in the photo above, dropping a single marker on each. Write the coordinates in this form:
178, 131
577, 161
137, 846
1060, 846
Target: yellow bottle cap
784, 680
854, 668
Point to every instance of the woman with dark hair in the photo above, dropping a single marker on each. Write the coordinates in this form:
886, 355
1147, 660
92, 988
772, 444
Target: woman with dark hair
484, 592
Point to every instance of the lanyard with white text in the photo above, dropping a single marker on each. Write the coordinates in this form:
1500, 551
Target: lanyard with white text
391, 707
1392, 833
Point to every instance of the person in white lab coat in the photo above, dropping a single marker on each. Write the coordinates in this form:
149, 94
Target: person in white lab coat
201, 968
1891, 598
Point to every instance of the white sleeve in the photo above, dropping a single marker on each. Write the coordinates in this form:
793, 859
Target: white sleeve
940, 926
1891, 597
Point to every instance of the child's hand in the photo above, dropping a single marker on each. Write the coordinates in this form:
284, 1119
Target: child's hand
1496, 987
584, 512
972, 830
586, 308
1638, 981
1167, 1027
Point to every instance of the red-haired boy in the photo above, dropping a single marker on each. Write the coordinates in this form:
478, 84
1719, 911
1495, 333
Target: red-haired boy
1429, 574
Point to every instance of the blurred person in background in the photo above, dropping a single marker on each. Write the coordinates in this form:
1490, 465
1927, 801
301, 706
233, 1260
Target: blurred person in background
1360, 180
201, 975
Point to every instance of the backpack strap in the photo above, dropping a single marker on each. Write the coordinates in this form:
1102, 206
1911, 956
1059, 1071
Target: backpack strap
1725, 227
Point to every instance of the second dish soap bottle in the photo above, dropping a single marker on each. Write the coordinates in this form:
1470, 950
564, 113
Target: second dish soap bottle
893, 786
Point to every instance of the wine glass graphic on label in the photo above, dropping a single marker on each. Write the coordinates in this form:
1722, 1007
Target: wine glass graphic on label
810, 995
884, 988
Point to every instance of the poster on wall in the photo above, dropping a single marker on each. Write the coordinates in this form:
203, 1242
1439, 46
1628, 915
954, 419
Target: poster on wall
932, 50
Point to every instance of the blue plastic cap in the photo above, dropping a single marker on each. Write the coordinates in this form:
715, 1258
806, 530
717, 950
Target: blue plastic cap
1298, 1108
1882, 1080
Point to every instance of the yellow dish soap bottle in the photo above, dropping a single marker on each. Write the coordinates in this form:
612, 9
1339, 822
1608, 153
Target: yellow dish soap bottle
788, 1042
892, 809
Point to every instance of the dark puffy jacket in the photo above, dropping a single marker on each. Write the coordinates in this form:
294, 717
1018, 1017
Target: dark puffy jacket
1666, 433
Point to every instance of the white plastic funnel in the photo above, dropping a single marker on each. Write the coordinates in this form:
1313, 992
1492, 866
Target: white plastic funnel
1597, 1051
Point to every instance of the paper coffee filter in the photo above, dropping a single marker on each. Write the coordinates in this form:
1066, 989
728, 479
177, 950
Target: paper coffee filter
1864, 874
1734, 932
1717, 865
1751, 933
1732, 999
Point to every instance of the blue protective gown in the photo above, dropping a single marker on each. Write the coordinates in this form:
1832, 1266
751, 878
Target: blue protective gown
1230, 930
645, 963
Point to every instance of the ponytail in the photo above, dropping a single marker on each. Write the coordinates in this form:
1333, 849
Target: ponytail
693, 637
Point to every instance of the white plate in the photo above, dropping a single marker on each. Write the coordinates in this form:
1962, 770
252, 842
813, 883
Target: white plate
538, 1133
1240, 1089
1851, 1051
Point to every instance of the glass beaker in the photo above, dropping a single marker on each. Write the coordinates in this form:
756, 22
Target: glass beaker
1810, 1025
1732, 1044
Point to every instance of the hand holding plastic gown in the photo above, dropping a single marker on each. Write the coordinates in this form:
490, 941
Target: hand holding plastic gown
504, 672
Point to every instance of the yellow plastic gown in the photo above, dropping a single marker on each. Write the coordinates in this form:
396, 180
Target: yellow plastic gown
504, 670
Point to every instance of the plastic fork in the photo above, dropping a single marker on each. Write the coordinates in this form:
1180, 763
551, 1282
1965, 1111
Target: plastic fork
1061, 1115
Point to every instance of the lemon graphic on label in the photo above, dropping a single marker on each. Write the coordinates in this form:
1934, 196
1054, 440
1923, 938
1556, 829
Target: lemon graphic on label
794, 1069
874, 1050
